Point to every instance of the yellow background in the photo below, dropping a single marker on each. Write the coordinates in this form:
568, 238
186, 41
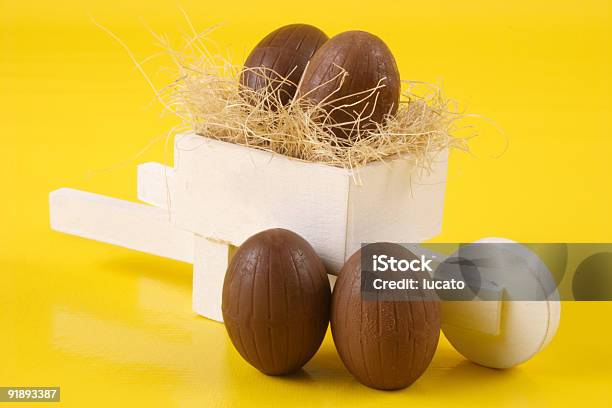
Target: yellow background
111, 326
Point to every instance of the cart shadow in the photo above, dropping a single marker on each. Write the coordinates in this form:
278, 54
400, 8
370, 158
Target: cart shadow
138, 265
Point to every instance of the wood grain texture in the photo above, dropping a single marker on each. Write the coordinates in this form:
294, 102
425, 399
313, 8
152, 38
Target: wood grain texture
384, 344
279, 60
276, 301
368, 62
153, 184
396, 202
211, 259
230, 192
130, 225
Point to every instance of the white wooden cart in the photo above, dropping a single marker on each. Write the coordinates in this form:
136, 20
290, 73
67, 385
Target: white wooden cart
218, 194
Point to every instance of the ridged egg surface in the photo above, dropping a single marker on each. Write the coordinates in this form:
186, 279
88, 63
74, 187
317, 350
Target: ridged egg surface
276, 301
384, 344
282, 54
368, 63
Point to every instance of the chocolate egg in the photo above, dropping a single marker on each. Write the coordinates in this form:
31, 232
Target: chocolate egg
385, 343
277, 63
276, 301
368, 64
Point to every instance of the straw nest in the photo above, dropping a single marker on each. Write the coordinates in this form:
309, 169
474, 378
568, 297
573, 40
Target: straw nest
209, 99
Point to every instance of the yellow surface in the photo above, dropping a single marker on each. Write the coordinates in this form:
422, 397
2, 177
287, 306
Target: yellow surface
113, 327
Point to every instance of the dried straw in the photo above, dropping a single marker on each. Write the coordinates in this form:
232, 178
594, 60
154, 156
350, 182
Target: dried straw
209, 99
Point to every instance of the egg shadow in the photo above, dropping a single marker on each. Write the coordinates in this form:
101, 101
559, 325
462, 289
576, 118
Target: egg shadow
324, 368
326, 363
301, 376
